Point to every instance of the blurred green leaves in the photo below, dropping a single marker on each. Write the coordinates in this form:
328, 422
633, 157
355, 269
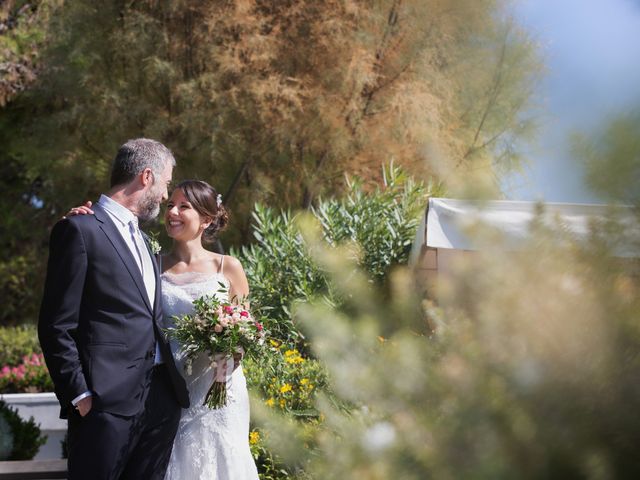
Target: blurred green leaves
532, 374
612, 159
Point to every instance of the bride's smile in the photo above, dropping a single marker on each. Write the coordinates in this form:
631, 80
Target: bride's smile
182, 221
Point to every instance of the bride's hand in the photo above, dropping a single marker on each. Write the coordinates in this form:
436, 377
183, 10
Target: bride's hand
237, 358
81, 210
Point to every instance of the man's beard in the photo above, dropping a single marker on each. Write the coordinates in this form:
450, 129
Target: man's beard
149, 206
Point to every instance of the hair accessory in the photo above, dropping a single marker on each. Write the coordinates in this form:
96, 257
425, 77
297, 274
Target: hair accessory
219, 200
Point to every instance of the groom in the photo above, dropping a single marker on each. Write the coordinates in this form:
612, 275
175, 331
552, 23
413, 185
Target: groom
100, 327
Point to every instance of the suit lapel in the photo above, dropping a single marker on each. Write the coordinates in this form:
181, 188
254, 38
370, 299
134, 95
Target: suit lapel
122, 249
156, 271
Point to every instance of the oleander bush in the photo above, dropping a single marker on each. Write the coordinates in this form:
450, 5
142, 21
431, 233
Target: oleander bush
27, 437
378, 222
373, 226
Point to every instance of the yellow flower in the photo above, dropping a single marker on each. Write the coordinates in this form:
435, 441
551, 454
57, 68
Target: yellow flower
294, 360
285, 388
304, 381
293, 357
274, 343
281, 403
254, 437
270, 402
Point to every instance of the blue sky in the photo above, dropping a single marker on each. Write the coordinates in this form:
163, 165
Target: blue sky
591, 49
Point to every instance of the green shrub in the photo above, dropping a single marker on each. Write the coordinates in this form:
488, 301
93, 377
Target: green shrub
287, 384
16, 342
380, 223
6, 439
19, 277
287, 381
270, 466
27, 438
531, 374
30, 376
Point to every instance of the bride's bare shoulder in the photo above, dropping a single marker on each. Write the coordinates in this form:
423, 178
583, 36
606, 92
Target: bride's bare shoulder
232, 265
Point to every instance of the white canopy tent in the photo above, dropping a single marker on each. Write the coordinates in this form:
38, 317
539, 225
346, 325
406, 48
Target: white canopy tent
443, 234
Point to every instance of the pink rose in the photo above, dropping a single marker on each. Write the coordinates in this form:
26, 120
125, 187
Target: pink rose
244, 313
217, 328
259, 326
228, 309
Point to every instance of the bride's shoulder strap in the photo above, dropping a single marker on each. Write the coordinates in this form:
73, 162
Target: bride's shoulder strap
221, 269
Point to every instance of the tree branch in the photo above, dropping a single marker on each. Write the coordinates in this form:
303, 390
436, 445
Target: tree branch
493, 96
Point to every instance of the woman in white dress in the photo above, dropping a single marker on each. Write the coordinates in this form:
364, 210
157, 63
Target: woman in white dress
210, 444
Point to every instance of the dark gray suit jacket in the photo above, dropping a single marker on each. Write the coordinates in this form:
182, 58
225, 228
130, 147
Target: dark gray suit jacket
96, 327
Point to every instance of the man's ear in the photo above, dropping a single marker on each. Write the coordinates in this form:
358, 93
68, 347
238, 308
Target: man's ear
146, 177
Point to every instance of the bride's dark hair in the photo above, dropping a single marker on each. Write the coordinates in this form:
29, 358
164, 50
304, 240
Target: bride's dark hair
204, 199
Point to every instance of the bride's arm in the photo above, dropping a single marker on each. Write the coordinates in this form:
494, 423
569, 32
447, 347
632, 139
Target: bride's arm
239, 287
81, 210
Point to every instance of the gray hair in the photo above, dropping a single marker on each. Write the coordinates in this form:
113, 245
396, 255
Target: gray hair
136, 155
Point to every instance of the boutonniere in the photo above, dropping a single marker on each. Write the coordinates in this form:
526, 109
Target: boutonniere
154, 244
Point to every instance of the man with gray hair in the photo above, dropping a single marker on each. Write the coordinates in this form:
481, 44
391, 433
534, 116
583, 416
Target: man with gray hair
100, 327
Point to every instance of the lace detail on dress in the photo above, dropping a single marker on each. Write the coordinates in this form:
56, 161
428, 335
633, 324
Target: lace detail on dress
210, 444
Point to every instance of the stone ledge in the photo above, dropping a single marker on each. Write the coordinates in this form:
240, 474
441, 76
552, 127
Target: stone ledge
33, 470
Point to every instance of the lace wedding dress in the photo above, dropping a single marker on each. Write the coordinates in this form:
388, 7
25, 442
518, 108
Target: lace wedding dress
210, 444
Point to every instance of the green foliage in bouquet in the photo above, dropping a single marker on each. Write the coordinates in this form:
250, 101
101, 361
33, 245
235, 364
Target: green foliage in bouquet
27, 438
16, 342
379, 223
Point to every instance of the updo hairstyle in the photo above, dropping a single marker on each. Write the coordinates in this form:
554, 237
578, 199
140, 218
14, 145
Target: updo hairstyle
204, 199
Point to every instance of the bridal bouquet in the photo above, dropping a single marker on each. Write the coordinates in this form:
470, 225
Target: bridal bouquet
222, 330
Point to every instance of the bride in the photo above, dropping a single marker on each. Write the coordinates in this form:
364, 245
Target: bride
210, 444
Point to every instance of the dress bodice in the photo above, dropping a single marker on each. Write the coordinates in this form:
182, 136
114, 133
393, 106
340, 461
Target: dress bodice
178, 293
179, 290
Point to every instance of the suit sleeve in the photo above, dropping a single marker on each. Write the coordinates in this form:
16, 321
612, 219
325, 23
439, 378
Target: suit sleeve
60, 310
